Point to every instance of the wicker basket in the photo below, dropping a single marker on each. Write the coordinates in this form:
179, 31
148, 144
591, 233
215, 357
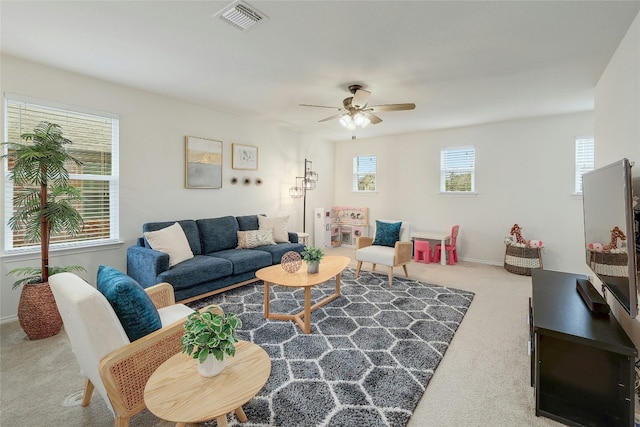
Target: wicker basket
520, 260
609, 264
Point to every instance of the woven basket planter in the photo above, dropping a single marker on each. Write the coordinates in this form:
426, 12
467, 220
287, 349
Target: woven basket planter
609, 264
38, 313
519, 260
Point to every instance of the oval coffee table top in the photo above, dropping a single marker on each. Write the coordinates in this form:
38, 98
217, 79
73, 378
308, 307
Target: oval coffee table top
330, 266
177, 392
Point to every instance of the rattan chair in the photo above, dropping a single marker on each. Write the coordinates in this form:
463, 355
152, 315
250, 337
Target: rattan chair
399, 255
117, 368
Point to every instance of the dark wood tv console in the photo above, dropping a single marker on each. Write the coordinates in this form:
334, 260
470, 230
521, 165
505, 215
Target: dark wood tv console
582, 364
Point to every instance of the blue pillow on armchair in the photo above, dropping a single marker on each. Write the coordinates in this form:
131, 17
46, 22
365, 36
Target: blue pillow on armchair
387, 233
132, 305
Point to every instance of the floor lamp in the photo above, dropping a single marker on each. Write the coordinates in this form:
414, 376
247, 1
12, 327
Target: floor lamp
304, 184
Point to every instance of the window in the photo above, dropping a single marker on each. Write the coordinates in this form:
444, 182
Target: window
457, 170
364, 173
95, 144
585, 160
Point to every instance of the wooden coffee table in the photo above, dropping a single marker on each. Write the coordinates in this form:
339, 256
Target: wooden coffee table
330, 266
177, 392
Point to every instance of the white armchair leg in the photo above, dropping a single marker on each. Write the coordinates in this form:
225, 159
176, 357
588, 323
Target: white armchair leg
358, 268
404, 267
390, 275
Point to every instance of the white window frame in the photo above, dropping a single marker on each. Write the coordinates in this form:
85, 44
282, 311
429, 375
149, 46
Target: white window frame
584, 160
446, 169
113, 179
358, 173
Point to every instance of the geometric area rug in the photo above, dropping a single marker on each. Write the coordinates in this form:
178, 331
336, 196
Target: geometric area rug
368, 359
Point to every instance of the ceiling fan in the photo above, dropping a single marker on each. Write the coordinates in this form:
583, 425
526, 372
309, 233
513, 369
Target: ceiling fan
355, 112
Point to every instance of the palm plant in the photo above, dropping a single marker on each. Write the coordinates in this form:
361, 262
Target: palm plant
44, 199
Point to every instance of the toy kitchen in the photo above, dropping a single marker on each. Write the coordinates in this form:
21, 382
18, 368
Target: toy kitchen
340, 225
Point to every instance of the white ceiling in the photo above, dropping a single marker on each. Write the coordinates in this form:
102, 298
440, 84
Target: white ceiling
460, 62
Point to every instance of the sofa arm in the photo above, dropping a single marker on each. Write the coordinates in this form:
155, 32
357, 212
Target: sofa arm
293, 237
126, 370
144, 265
161, 294
363, 242
402, 253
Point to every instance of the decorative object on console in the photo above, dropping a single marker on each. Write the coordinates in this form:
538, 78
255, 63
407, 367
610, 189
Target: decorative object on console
291, 262
203, 163
210, 334
244, 157
303, 184
312, 257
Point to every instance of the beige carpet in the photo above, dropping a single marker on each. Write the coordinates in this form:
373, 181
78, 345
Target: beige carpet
483, 379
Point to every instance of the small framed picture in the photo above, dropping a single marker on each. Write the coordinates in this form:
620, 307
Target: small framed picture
244, 157
203, 167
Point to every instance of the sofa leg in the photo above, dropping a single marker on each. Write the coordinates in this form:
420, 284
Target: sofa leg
373, 267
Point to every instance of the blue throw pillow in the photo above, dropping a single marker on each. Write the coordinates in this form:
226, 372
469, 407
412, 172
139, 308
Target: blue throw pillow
387, 233
133, 306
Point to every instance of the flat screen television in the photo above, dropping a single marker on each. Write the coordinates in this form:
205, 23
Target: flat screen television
612, 230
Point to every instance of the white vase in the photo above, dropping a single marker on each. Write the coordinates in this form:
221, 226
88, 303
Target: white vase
211, 366
313, 267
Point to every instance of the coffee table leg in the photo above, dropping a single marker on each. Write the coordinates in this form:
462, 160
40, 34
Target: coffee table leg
241, 416
222, 421
266, 300
338, 284
307, 310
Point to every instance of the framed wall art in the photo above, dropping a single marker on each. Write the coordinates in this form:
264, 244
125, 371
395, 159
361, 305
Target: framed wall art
203, 167
244, 157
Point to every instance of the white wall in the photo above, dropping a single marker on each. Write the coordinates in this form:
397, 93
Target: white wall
152, 131
617, 125
524, 175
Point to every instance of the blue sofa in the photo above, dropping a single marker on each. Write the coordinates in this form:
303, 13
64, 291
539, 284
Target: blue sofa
217, 264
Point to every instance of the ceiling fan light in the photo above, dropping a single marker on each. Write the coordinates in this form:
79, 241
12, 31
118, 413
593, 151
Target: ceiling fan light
366, 122
346, 121
359, 119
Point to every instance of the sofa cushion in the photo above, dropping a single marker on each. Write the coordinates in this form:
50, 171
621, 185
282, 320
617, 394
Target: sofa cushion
171, 241
188, 226
387, 233
279, 249
247, 222
218, 234
277, 224
199, 269
132, 305
245, 260
254, 238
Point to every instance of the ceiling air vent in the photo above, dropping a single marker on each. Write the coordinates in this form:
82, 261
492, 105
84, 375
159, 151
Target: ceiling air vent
241, 15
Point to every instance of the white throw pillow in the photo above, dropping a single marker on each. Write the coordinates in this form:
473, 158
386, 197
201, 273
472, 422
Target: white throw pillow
254, 238
172, 241
278, 225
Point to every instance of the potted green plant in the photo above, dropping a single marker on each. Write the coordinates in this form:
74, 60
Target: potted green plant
312, 257
209, 336
43, 206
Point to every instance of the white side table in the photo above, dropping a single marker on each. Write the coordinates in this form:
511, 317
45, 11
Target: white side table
303, 237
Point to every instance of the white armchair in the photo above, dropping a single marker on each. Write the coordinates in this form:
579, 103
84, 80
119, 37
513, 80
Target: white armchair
117, 368
399, 255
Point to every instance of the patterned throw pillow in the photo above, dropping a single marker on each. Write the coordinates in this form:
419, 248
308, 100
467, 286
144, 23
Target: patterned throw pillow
132, 305
387, 233
254, 238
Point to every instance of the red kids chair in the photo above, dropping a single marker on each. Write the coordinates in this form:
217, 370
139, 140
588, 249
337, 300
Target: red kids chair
451, 249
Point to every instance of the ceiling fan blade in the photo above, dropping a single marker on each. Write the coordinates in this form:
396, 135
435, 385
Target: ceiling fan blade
319, 106
392, 107
331, 118
360, 98
372, 117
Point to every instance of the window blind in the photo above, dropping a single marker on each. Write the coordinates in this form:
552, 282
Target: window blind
364, 173
457, 169
95, 144
585, 160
